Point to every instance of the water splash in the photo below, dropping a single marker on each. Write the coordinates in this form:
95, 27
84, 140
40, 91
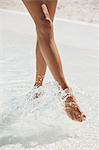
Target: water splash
44, 117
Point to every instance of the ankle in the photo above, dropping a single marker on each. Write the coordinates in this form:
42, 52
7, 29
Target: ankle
39, 81
66, 93
64, 86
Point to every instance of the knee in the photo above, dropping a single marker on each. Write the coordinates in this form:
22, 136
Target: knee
44, 28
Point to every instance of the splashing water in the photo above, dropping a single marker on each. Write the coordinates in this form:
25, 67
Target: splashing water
33, 121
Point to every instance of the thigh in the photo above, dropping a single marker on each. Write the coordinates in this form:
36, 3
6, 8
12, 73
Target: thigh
35, 10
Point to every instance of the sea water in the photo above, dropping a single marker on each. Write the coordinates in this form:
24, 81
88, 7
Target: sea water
27, 122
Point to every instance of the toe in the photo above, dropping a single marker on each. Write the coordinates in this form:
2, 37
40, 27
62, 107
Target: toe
83, 116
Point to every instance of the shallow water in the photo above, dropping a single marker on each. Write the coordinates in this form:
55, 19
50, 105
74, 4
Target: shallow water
29, 123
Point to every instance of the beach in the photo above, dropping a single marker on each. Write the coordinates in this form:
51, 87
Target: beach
80, 10
28, 122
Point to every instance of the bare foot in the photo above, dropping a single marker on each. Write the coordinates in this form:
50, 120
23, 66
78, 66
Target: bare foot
38, 93
72, 109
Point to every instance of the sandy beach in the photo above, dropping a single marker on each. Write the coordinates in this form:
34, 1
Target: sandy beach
83, 10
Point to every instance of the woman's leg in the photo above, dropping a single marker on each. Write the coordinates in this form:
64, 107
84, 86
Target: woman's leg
48, 48
45, 36
40, 62
40, 67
